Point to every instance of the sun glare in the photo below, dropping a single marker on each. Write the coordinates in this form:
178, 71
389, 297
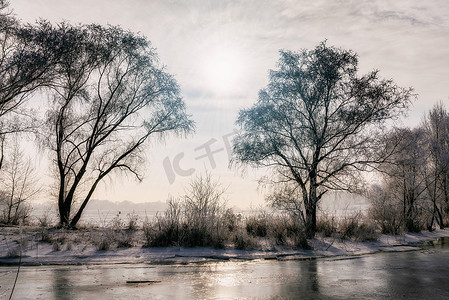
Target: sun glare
222, 71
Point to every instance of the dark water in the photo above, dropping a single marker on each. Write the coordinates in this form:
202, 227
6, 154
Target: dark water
422, 274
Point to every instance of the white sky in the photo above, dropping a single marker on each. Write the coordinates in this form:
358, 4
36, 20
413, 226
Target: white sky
220, 53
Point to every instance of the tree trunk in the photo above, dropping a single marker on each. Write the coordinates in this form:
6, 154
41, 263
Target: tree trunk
64, 212
446, 193
439, 216
430, 225
8, 221
16, 212
312, 199
2, 148
311, 211
64, 217
77, 217
310, 221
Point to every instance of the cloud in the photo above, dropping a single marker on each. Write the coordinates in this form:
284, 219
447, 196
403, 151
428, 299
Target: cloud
394, 15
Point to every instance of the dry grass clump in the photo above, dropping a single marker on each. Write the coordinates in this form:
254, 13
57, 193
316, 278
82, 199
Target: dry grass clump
199, 218
287, 231
117, 235
257, 226
326, 225
45, 220
244, 241
357, 227
349, 227
133, 221
277, 229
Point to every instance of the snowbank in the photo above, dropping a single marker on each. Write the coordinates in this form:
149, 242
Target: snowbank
41, 253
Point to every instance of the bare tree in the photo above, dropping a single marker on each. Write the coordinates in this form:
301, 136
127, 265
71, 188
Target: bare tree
404, 174
436, 128
19, 185
110, 98
416, 174
317, 124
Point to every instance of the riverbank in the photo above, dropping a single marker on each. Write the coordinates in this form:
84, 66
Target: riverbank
29, 247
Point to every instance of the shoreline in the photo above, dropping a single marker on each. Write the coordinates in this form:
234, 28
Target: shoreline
43, 254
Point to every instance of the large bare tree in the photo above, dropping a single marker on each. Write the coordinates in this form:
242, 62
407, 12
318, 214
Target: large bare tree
317, 125
111, 96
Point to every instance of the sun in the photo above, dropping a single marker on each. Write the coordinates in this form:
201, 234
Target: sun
223, 71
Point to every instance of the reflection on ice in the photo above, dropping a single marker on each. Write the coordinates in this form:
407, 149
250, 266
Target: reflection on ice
417, 274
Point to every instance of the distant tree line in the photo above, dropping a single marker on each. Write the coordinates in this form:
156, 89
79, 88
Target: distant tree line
415, 191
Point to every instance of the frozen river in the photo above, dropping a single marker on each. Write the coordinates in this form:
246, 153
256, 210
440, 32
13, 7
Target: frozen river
419, 274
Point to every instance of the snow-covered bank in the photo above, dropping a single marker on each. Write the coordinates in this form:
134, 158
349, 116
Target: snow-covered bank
36, 252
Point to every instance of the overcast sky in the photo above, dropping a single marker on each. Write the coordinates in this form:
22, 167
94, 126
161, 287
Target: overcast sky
220, 53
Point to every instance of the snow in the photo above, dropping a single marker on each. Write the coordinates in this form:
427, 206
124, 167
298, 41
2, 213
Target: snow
36, 252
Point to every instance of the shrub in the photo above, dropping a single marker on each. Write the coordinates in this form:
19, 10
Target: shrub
45, 220
124, 243
69, 246
199, 218
46, 237
160, 236
104, 244
326, 225
117, 223
385, 212
147, 232
300, 240
14, 214
367, 232
56, 246
257, 226
231, 220
165, 230
204, 211
356, 227
243, 241
348, 226
289, 232
414, 225
106, 239
280, 229
124, 240
133, 221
